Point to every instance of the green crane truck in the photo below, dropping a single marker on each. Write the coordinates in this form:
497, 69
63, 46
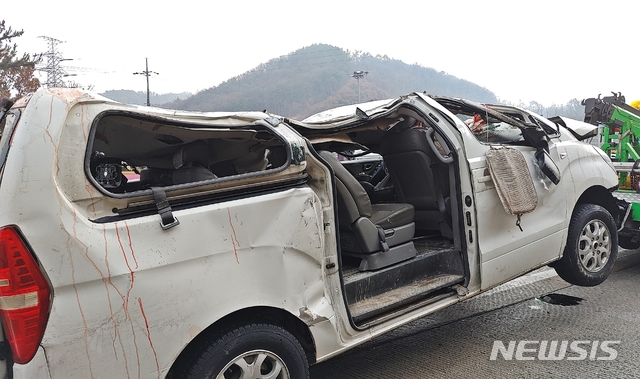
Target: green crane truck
619, 125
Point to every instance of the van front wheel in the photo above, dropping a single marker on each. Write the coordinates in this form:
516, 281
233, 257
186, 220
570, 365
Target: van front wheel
592, 247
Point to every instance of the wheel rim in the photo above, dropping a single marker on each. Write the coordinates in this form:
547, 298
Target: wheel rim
255, 364
594, 246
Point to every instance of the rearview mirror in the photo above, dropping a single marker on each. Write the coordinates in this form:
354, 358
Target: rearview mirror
548, 166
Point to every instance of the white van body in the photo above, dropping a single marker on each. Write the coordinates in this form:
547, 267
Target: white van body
144, 275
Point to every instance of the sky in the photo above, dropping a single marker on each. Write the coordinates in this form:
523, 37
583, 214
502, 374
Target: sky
544, 51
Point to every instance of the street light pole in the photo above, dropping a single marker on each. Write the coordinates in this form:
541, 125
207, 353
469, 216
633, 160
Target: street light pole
147, 73
146, 69
359, 75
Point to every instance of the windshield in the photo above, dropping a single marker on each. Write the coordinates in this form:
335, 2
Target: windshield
489, 130
499, 124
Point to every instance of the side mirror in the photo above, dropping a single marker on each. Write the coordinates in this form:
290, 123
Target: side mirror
548, 166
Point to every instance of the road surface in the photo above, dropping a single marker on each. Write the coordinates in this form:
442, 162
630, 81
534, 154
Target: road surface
458, 342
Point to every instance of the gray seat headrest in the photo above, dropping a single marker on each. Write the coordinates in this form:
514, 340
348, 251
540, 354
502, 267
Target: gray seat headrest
193, 153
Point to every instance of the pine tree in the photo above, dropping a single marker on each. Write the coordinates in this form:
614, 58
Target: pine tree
16, 73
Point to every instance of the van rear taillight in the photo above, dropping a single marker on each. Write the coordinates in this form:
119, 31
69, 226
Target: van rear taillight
24, 296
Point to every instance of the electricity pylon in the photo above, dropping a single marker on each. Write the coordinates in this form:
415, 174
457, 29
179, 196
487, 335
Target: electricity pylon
52, 68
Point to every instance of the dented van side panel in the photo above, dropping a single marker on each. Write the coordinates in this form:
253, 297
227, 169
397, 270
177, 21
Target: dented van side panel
128, 295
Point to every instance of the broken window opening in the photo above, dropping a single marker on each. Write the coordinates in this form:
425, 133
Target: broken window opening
130, 153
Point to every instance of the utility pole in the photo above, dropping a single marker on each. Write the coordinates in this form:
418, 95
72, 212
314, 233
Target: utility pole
147, 73
359, 75
54, 71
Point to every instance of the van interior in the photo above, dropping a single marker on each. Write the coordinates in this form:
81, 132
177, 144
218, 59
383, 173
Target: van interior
399, 215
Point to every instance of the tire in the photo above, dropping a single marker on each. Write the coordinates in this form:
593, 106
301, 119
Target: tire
234, 355
592, 247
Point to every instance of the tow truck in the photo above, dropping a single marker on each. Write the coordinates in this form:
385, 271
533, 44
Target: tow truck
619, 131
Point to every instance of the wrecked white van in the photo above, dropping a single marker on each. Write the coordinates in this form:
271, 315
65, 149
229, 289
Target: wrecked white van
138, 242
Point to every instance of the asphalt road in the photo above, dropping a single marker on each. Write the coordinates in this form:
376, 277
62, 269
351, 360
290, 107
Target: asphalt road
458, 342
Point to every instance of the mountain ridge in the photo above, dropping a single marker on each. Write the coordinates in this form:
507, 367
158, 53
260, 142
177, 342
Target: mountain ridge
320, 76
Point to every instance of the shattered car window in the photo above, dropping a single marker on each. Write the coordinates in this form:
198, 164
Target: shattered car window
489, 130
133, 153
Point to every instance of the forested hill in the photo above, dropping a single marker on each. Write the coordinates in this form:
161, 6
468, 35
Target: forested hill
319, 77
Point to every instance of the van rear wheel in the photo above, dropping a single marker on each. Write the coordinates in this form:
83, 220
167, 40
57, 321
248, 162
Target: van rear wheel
256, 351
